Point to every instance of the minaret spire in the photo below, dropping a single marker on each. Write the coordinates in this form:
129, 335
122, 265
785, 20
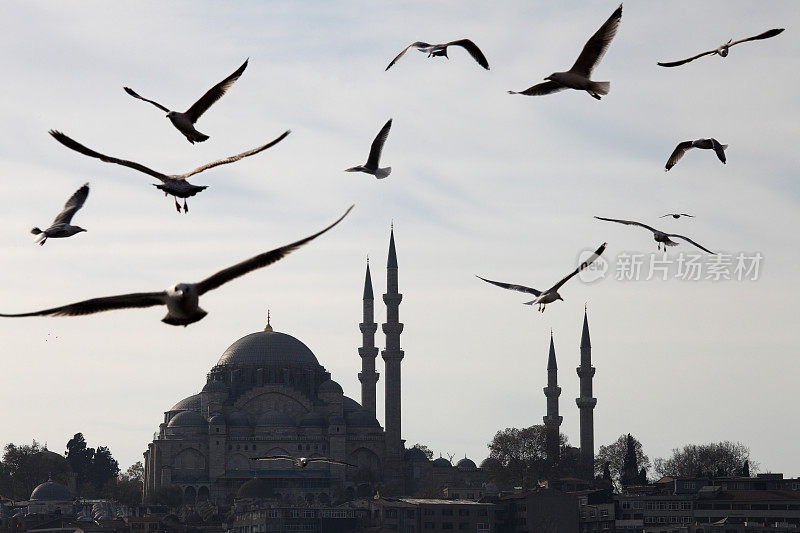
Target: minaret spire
586, 403
368, 352
393, 355
552, 421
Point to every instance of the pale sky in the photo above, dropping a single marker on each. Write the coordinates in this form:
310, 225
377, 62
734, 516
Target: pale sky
483, 183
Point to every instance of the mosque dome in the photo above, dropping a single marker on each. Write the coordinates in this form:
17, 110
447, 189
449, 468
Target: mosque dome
186, 419
276, 418
466, 463
192, 403
415, 454
490, 462
256, 489
349, 404
268, 348
51, 491
441, 462
313, 419
237, 418
361, 418
215, 386
330, 386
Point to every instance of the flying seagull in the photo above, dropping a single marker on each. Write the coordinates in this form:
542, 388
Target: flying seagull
61, 226
578, 77
676, 215
302, 462
174, 184
551, 294
440, 50
706, 144
371, 166
182, 299
662, 238
722, 50
184, 122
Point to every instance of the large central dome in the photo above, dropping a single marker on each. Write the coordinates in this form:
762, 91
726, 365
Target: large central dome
266, 348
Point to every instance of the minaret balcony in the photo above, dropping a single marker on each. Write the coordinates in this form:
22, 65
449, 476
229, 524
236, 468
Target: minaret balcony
552, 391
585, 371
586, 402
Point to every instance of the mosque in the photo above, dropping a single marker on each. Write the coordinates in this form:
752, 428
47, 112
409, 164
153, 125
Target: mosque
269, 395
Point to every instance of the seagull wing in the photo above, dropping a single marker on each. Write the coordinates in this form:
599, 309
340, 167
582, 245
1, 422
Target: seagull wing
274, 458
258, 261
546, 87
327, 460
135, 95
687, 215
377, 146
596, 46
629, 223
687, 239
418, 44
683, 61
233, 158
214, 94
583, 265
662, 216
677, 154
473, 50
74, 203
511, 287
719, 149
78, 147
97, 305
766, 35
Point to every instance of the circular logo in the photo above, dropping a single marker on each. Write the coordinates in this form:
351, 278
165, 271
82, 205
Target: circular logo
596, 270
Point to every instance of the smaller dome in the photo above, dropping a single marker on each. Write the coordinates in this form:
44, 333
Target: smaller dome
466, 463
50, 491
276, 418
256, 489
361, 418
237, 418
490, 462
186, 419
441, 462
215, 386
349, 404
330, 386
192, 403
415, 454
217, 420
313, 419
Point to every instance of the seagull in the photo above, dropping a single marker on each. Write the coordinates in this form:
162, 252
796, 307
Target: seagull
551, 294
662, 238
676, 215
302, 462
182, 299
61, 226
174, 184
706, 144
440, 50
184, 122
722, 50
371, 166
578, 76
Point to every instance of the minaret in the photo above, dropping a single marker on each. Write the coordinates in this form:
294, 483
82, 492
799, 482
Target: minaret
368, 352
393, 355
552, 421
586, 403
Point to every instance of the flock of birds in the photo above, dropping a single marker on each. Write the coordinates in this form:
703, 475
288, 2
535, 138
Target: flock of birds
182, 299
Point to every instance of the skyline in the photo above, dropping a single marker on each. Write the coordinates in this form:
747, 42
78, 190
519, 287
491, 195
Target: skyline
474, 173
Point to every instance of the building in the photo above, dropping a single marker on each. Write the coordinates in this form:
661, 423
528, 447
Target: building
541, 510
419, 515
269, 395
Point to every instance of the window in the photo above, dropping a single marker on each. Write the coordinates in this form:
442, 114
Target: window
299, 446
689, 485
650, 506
604, 513
447, 512
272, 513
463, 526
428, 512
686, 506
463, 512
447, 525
483, 512
429, 525
245, 446
638, 505
626, 505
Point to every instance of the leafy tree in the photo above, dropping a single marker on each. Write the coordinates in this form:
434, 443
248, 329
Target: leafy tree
79, 457
134, 472
519, 456
26, 466
427, 451
607, 473
104, 467
745, 469
615, 453
171, 496
714, 459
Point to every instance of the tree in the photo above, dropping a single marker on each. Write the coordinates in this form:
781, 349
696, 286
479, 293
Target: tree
630, 466
134, 472
714, 459
170, 495
614, 454
104, 467
519, 456
79, 457
427, 451
607, 473
26, 466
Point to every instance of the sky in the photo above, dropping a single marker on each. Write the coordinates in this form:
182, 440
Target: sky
482, 182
